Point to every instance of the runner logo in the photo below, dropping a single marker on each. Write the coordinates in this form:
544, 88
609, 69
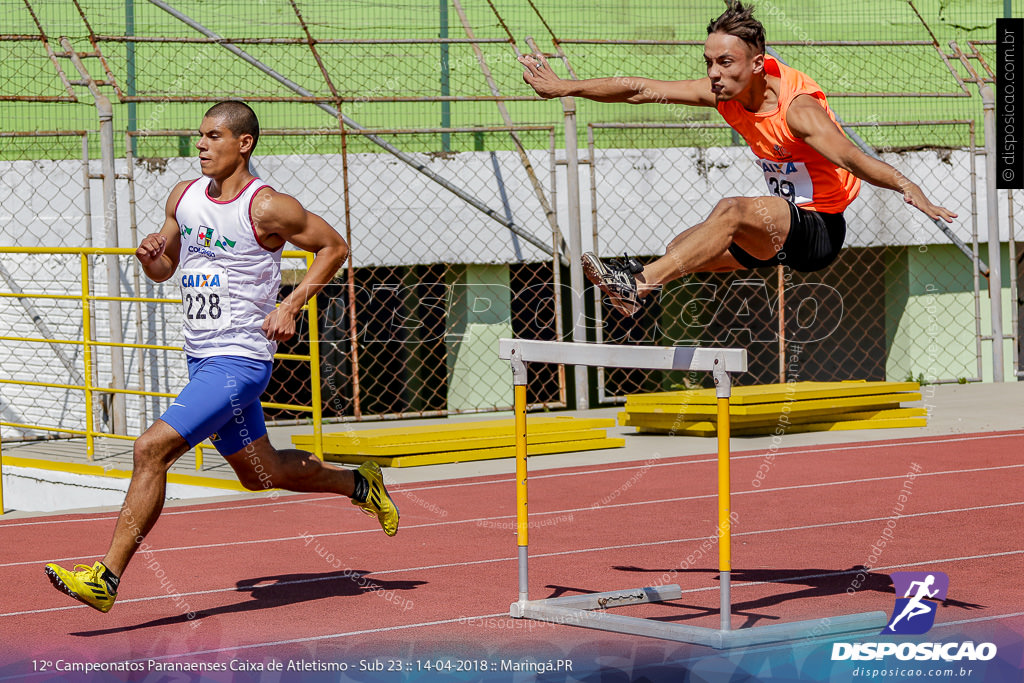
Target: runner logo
914, 613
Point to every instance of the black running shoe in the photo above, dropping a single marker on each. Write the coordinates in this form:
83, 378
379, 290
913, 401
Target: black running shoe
617, 279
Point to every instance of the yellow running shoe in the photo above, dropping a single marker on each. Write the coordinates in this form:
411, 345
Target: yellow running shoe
378, 502
83, 584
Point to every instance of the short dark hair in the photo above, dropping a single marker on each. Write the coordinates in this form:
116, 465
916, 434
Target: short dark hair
739, 21
239, 118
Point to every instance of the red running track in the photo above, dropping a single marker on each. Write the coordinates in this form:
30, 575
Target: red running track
301, 576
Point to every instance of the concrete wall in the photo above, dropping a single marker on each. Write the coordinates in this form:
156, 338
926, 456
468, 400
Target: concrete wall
34, 490
931, 318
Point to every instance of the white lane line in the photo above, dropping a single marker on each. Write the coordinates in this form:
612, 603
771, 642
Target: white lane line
482, 521
977, 619
714, 459
385, 629
467, 563
501, 479
797, 579
168, 513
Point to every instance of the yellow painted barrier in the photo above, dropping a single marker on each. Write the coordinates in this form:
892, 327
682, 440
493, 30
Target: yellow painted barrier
597, 443
101, 471
415, 439
334, 447
772, 393
90, 445
463, 441
1, 475
796, 407
770, 411
667, 424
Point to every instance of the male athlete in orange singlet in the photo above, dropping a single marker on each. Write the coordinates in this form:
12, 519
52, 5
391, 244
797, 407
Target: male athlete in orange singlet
813, 172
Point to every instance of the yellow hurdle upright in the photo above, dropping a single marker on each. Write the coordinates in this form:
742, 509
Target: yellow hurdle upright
723, 389
522, 516
590, 610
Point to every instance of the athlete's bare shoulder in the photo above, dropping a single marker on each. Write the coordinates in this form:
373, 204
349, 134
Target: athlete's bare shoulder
176, 192
271, 208
275, 216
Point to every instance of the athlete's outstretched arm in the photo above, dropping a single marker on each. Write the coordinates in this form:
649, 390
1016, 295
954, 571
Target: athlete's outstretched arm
158, 252
542, 79
809, 122
280, 218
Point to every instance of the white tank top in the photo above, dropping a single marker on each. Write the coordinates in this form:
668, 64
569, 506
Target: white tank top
229, 281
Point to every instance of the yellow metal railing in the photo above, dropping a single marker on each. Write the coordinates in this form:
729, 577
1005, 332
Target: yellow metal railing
88, 343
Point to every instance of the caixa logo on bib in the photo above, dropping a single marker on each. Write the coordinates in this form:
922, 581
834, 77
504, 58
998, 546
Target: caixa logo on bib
917, 598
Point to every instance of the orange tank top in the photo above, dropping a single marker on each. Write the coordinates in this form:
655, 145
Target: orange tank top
793, 169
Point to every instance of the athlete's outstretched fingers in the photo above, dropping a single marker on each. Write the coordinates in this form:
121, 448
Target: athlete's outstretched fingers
528, 64
914, 196
532, 68
534, 63
539, 75
933, 211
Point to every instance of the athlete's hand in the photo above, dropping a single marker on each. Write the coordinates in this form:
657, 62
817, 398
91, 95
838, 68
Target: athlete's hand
915, 197
540, 77
151, 248
279, 325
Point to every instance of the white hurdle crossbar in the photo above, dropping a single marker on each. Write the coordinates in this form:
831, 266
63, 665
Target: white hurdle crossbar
589, 611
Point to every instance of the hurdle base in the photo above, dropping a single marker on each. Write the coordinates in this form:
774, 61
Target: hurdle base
589, 601
588, 611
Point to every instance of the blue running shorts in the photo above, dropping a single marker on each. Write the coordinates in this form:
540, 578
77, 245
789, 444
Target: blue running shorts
221, 401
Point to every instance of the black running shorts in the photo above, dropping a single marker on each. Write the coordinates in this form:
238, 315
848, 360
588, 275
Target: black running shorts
813, 242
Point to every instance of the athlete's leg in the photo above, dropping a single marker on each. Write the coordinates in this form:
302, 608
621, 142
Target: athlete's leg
758, 225
96, 586
243, 442
260, 466
216, 385
155, 451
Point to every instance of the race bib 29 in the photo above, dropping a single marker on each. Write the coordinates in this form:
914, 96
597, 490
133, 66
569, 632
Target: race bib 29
788, 179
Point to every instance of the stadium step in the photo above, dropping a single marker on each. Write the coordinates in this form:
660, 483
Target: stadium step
463, 441
766, 409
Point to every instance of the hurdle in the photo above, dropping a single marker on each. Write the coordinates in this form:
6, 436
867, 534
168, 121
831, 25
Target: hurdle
590, 610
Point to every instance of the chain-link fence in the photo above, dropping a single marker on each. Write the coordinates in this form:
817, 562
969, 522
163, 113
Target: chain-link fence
411, 132
409, 326
895, 305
